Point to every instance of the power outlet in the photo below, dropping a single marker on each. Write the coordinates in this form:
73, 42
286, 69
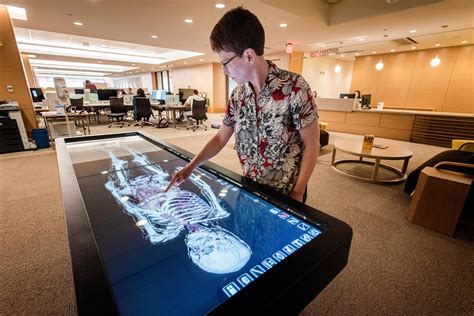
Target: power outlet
10, 88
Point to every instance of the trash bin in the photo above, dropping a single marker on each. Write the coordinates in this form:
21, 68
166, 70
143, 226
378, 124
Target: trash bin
40, 135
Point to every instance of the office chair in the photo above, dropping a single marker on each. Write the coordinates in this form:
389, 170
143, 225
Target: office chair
198, 114
117, 111
142, 111
77, 105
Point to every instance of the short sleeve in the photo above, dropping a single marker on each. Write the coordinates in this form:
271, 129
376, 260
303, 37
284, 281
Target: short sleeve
229, 117
303, 107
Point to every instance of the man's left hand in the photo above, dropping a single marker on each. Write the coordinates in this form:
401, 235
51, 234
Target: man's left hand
296, 196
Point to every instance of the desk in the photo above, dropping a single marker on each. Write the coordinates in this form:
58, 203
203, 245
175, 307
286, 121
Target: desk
173, 109
219, 244
51, 116
356, 149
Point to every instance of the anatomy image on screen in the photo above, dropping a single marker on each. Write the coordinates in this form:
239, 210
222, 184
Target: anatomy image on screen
162, 216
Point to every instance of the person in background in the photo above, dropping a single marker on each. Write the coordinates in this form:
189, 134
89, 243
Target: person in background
131, 92
357, 99
189, 102
271, 112
92, 87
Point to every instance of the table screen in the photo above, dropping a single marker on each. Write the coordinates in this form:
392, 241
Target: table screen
181, 252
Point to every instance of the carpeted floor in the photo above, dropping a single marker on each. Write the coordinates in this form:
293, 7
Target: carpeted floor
395, 267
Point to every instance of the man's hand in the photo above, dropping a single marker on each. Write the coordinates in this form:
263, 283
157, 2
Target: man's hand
296, 196
180, 176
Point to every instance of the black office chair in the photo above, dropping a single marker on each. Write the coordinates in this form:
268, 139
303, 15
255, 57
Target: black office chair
77, 105
117, 111
198, 114
142, 111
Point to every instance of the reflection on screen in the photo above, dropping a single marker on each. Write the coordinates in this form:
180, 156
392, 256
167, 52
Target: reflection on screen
181, 252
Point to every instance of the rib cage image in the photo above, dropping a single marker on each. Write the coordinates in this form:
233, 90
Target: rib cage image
163, 216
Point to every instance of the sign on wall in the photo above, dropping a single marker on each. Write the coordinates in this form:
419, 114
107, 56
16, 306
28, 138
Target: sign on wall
324, 52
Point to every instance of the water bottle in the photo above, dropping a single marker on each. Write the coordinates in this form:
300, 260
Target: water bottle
59, 108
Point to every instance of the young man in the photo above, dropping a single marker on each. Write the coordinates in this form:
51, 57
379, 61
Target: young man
271, 112
189, 102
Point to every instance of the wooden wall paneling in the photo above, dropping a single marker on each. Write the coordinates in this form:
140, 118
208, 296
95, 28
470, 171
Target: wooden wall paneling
12, 72
429, 84
30, 76
365, 119
219, 88
460, 94
296, 62
332, 116
404, 122
395, 79
365, 77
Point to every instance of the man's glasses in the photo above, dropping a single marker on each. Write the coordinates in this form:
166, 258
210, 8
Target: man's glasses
227, 62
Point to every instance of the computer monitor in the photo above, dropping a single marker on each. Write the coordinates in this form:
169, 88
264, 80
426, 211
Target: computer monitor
37, 94
78, 91
105, 94
158, 94
365, 101
347, 96
184, 94
172, 100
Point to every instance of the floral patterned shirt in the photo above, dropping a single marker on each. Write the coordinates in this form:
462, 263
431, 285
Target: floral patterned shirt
267, 140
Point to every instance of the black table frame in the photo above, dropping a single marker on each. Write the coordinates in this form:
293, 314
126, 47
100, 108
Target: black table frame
285, 289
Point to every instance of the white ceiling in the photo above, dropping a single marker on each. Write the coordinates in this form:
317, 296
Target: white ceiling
129, 25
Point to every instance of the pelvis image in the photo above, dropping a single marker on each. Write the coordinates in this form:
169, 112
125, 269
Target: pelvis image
163, 216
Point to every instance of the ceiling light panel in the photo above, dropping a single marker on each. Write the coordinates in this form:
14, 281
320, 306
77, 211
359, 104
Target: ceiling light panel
17, 13
79, 66
70, 72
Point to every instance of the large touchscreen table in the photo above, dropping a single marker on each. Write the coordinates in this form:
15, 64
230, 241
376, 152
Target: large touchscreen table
215, 244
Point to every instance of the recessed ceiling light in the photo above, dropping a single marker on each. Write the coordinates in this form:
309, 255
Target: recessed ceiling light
78, 23
189, 21
185, 62
412, 31
283, 25
17, 13
201, 59
220, 5
361, 39
392, 50
133, 64
437, 45
463, 42
374, 52
323, 45
413, 47
31, 56
357, 54
99, 62
342, 55
154, 36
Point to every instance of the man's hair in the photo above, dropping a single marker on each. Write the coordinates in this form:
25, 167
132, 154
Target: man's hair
195, 91
88, 81
238, 30
140, 92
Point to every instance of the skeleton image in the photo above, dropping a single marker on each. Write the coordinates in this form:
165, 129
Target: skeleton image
163, 216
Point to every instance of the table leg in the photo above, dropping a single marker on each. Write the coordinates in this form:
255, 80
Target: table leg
333, 156
376, 169
360, 158
174, 118
405, 165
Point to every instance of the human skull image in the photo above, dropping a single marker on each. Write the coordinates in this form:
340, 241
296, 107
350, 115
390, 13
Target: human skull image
217, 250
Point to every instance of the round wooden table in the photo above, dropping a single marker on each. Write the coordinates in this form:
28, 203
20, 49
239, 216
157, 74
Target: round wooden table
390, 153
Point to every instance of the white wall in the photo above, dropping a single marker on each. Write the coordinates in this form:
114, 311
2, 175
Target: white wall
195, 77
319, 73
281, 60
71, 81
134, 81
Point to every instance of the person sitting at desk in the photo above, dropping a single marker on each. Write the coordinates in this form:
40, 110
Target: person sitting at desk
140, 94
189, 102
92, 87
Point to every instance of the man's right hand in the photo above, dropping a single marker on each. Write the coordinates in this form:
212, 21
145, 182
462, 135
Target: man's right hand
180, 176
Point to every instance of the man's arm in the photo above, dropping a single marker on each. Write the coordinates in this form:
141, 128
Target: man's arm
310, 136
212, 148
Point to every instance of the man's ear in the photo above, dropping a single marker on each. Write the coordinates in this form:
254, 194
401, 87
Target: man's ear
250, 55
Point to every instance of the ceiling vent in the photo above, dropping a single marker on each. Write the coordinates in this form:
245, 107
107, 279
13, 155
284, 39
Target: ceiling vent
404, 41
